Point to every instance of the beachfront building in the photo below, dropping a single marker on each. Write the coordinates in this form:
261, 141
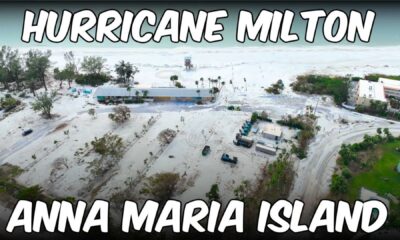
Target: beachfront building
106, 94
272, 131
368, 91
391, 87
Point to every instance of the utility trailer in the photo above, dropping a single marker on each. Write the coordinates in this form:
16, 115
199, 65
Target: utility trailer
265, 149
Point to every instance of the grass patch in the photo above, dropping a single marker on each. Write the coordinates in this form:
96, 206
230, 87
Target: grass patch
382, 177
370, 164
335, 86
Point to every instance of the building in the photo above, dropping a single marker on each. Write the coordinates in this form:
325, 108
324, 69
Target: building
391, 87
368, 91
104, 94
272, 131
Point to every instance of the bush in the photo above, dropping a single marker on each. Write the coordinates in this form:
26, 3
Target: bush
30, 193
323, 85
338, 184
108, 145
92, 79
120, 114
254, 117
9, 102
213, 194
161, 186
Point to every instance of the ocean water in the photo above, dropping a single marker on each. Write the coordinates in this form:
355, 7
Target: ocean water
385, 31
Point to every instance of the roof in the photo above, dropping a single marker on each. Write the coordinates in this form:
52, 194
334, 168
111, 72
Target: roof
390, 83
152, 92
273, 130
371, 90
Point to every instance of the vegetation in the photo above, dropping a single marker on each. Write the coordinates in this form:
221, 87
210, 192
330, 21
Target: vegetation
263, 116
120, 114
93, 68
276, 88
10, 188
370, 163
110, 148
377, 108
9, 103
44, 104
10, 67
125, 71
174, 79
69, 72
179, 85
233, 108
161, 186
307, 125
324, 85
38, 63
375, 76
213, 194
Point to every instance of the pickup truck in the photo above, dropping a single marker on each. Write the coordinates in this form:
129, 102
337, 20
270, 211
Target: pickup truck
226, 158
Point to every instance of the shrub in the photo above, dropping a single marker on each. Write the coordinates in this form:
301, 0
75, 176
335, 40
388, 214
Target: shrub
120, 114
161, 186
31, 193
213, 194
92, 79
338, 184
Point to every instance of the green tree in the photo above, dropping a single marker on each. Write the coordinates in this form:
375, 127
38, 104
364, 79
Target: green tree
338, 184
213, 194
93, 65
44, 103
126, 71
37, 64
161, 186
174, 78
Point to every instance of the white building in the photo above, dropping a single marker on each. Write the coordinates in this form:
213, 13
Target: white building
272, 131
391, 87
368, 90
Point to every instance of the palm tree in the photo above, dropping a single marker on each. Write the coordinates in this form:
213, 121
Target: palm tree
198, 92
197, 83
137, 95
218, 80
245, 82
209, 82
174, 78
202, 82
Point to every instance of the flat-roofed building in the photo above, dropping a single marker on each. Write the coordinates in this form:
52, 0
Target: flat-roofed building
272, 131
155, 94
368, 91
391, 87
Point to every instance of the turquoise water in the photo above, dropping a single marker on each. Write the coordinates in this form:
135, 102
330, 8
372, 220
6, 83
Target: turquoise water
385, 32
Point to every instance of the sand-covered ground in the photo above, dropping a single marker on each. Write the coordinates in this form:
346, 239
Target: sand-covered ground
47, 155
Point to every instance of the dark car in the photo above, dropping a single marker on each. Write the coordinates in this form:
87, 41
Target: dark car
27, 132
206, 150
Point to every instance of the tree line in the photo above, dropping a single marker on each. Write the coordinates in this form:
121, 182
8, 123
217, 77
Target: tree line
31, 70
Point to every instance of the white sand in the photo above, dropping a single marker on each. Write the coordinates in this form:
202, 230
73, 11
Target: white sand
260, 66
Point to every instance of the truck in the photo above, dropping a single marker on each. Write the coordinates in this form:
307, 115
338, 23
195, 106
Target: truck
243, 141
226, 158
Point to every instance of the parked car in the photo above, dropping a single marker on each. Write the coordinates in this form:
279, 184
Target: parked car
226, 158
206, 150
27, 132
